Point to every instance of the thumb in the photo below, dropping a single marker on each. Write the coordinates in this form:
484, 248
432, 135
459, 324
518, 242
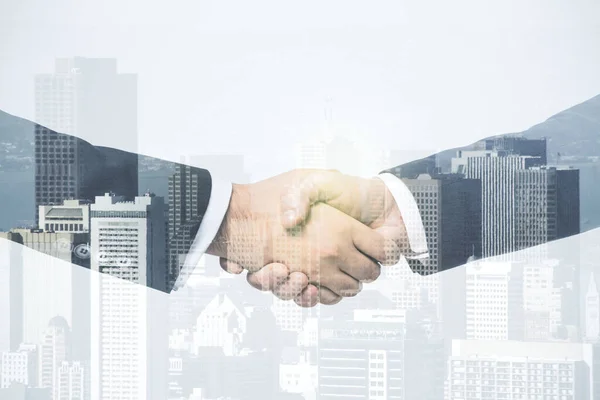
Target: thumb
318, 186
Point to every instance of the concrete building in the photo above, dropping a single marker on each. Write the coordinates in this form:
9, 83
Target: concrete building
73, 216
497, 172
20, 367
54, 349
519, 370
546, 205
68, 101
71, 382
378, 356
221, 324
494, 301
128, 247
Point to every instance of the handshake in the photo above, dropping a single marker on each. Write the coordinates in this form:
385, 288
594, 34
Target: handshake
313, 236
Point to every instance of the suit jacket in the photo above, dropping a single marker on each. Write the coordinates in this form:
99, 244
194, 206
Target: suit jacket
456, 202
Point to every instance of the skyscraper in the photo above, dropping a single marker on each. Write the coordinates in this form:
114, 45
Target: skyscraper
497, 171
379, 355
519, 370
494, 299
70, 382
20, 366
89, 99
186, 191
128, 247
546, 205
450, 208
517, 145
54, 349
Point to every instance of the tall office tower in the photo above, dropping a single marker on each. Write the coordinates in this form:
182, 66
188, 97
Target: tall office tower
128, 247
222, 324
377, 357
11, 291
450, 209
546, 205
497, 172
54, 349
187, 188
542, 301
592, 311
519, 370
127, 238
73, 216
516, 145
494, 301
20, 367
87, 98
70, 382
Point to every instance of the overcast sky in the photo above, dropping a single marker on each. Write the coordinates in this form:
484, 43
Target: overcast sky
253, 77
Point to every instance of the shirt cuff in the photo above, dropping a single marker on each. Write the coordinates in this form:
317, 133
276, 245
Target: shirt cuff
211, 222
417, 239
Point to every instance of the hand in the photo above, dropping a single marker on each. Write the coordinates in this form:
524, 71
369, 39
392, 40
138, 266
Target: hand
367, 200
330, 250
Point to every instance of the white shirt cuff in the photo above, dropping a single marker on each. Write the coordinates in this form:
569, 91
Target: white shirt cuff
411, 216
213, 217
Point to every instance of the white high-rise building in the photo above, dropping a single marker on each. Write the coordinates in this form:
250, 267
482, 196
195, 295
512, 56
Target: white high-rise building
494, 301
89, 99
592, 311
70, 383
53, 351
128, 248
519, 370
221, 324
19, 367
68, 99
497, 172
542, 301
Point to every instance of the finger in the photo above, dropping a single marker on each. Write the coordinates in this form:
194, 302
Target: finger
341, 284
269, 277
230, 266
317, 186
369, 241
309, 297
359, 266
292, 287
327, 297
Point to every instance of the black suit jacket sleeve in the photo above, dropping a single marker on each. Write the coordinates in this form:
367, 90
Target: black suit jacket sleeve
55, 167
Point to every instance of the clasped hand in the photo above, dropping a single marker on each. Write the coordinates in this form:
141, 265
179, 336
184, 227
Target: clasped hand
310, 235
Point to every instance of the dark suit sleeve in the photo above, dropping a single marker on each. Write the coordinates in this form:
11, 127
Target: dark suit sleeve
58, 167
453, 219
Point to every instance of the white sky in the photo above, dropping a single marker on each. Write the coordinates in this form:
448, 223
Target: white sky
253, 77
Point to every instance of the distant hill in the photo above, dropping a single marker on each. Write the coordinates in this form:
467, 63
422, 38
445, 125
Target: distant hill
572, 133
